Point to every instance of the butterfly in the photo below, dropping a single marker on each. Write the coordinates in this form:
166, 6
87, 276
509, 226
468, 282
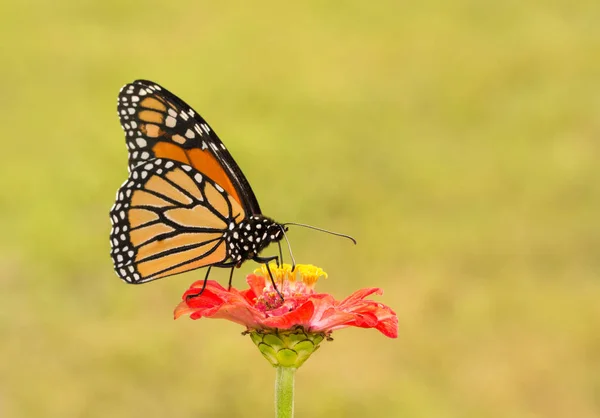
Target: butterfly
186, 203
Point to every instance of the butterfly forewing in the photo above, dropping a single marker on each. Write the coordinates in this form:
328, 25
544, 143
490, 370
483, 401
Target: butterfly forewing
169, 218
158, 124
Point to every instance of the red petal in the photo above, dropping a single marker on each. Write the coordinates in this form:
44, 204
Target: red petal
256, 283
332, 319
355, 311
302, 315
389, 326
182, 309
358, 296
211, 285
217, 302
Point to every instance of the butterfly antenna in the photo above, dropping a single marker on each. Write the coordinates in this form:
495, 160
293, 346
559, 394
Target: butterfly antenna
280, 261
289, 248
322, 230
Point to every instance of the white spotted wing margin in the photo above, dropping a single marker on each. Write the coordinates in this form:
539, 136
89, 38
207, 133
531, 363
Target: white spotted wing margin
167, 219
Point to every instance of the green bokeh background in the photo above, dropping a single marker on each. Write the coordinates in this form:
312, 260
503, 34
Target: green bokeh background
458, 141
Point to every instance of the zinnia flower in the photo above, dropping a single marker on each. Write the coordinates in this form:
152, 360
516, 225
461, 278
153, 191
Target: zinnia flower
288, 331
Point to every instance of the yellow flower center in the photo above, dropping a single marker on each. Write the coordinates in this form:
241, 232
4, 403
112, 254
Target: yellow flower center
310, 274
287, 280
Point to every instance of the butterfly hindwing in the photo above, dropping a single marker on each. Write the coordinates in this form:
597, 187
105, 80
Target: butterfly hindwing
169, 218
158, 124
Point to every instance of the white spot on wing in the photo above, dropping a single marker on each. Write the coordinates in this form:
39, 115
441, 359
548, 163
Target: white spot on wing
170, 121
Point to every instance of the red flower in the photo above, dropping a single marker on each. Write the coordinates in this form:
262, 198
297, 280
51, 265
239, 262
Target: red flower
260, 308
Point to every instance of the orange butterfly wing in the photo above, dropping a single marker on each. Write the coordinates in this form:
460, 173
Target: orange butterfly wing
168, 218
158, 124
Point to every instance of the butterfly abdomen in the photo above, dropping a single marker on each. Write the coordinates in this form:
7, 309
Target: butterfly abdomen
247, 239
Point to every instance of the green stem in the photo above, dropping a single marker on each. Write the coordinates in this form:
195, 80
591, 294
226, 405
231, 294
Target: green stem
284, 392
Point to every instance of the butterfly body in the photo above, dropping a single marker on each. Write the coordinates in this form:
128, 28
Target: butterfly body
248, 238
186, 203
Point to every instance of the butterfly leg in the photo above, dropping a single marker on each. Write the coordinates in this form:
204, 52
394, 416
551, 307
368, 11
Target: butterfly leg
265, 261
188, 297
230, 277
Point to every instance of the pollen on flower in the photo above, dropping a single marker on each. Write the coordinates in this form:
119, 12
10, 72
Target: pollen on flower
268, 301
287, 280
310, 274
280, 273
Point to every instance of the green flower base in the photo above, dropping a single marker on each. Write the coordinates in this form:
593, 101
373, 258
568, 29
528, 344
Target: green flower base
289, 348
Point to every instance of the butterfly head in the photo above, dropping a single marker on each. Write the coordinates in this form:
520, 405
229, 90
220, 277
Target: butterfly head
248, 238
276, 231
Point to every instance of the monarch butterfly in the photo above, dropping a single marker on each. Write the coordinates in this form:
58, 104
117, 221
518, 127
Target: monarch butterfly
186, 203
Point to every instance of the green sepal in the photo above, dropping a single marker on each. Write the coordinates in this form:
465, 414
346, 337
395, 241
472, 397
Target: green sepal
287, 348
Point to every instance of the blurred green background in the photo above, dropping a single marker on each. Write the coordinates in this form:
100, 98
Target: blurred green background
457, 141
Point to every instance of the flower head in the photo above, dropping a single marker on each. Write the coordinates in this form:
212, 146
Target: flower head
260, 308
287, 331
